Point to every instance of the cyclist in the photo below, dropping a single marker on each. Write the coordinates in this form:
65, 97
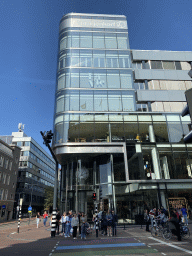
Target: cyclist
174, 225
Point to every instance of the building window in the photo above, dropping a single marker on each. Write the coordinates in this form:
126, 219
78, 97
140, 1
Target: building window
156, 64
168, 65
11, 196
1, 193
27, 143
6, 194
13, 185
4, 178
8, 179
6, 163
10, 166
1, 161
20, 143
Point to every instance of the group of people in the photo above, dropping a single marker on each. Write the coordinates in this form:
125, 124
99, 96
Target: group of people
177, 216
38, 218
70, 222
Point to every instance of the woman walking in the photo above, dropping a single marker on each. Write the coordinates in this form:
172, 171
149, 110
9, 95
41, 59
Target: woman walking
67, 231
45, 217
38, 217
63, 222
109, 223
74, 224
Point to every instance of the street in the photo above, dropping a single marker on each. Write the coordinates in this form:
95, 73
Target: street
131, 241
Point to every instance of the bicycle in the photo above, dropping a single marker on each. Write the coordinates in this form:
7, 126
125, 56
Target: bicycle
184, 231
156, 230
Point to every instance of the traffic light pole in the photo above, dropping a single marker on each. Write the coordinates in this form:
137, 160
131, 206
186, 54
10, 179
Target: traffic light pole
53, 222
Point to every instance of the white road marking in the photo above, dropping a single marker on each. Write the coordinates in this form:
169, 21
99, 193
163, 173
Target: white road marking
163, 253
171, 245
13, 233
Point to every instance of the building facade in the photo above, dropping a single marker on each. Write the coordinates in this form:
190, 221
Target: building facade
9, 161
118, 129
36, 172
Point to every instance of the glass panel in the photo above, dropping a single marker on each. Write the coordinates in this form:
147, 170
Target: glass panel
65, 132
110, 41
58, 119
122, 41
113, 79
178, 65
100, 79
67, 79
115, 118
69, 41
86, 79
168, 65
61, 82
59, 133
124, 59
156, 64
98, 40
86, 101
86, 132
114, 101
60, 104
131, 130
74, 79
117, 132
63, 43
101, 132
100, 101
128, 101
99, 59
185, 65
67, 96
112, 59
126, 80
74, 131
75, 58
175, 132
181, 171
85, 58
75, 39
86, 40
74, 100
160, 131
101, 117
118, 167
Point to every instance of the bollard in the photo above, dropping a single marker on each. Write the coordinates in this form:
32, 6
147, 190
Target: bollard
19, 220
53, 223
96, 222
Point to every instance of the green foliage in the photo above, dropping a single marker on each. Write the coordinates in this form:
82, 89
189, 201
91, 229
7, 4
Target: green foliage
48, 201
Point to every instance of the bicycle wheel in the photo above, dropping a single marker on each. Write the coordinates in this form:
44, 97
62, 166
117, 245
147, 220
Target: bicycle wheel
167, 234
155, 231
185, 234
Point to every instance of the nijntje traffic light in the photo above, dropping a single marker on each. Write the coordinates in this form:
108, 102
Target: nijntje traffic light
188, 111
94, 196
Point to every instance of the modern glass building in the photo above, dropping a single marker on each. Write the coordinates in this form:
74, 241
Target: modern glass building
117, 125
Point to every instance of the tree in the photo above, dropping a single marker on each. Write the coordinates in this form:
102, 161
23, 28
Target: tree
48, 201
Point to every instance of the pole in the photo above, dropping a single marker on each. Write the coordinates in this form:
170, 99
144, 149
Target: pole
96, 221
19, 220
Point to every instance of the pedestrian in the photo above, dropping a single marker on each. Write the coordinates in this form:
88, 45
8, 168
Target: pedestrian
175, 226
38, 218
79, 217
147, 219
114, 223
70, 219
109, 223
67, 231
103, 224
184, 213
58, 218
45, 217
83, 226
63, 223
74, 224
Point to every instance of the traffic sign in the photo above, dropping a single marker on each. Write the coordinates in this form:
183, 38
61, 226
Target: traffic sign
29, 209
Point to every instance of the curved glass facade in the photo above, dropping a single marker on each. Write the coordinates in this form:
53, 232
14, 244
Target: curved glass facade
103, 141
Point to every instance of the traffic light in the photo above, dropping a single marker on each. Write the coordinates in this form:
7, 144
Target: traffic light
94, 196
188, 111
48, 137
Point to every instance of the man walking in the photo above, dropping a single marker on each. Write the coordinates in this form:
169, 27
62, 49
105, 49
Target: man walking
114, 223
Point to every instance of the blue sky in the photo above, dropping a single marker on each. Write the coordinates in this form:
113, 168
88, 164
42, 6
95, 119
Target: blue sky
29, 44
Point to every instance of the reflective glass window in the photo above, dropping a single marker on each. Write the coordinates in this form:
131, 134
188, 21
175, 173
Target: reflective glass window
99, 59
175, 132
130, 127
114, 101
65, 132
113, 79
63, 43
74, 62
85, 58
110, 41
75, 39
122, 41
126, 79
74, 100
168, 65
74, 79
100, 79
69, 41
178, 65
124, 61
156, 64
112, 59
67, 79
58, 133
85, 40
60, 104
100, 101
160, 128
98, 40
128, 101
86, 101
86, 79
61, 82
67, 100
101, 131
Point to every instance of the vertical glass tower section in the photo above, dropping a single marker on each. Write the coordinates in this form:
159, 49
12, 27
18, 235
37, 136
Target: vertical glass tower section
93, 76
